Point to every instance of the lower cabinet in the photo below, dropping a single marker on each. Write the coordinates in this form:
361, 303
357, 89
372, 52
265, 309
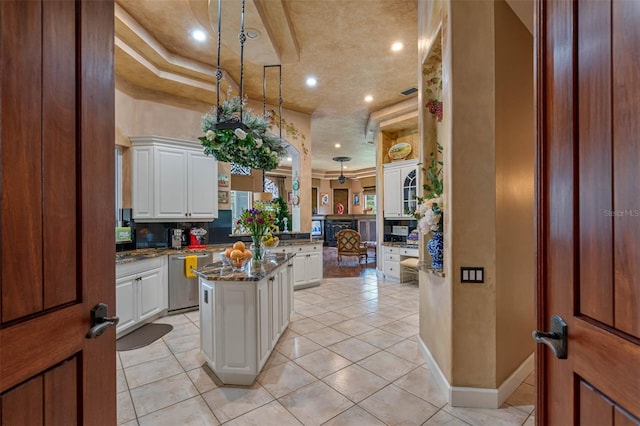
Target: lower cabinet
392, 256
141, 293
241, 322
307, 265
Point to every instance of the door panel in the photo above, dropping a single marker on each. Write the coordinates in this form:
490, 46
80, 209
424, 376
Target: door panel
57, 249
588, 217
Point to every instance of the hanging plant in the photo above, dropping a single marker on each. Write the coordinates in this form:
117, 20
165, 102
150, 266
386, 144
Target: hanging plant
254, 147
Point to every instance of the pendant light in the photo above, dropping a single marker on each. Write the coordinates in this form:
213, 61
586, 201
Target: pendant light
236, 123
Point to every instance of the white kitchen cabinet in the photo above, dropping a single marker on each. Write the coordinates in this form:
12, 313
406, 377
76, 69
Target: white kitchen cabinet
241, 322
400, 189
173, 181
307, 264
391, 258
141, 293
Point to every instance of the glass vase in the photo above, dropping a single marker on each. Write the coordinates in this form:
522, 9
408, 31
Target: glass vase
257, 248
435, 247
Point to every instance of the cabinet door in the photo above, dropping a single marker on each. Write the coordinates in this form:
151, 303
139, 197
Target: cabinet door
170, 183
314, 267
150, 292
392, 193
203, 186
409, 191
299, 266
274, 314
207, 317
142, 182
285, 297
264, 340
126, 301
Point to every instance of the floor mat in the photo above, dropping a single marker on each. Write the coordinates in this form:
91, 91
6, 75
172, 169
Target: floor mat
143, 336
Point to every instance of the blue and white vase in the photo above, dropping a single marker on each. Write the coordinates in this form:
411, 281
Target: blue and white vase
435, 247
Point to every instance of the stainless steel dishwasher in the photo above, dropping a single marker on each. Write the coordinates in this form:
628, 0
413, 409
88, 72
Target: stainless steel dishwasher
183, 291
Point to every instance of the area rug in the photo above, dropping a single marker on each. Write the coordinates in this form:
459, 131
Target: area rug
143, 336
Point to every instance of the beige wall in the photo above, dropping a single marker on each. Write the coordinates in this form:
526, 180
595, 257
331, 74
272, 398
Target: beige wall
480, 333
514, 191
137, 117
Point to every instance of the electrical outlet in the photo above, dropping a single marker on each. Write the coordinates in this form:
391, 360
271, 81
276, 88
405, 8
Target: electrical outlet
474, 274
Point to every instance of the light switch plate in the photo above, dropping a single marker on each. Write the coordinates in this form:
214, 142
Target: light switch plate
472, 274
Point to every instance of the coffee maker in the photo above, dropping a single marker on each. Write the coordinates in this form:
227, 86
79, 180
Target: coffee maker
175, 236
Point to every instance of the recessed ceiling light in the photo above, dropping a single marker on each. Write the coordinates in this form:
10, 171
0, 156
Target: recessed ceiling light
397, 46
288, 158
199, 35
252, 33
311, 81
337, 145
368, 98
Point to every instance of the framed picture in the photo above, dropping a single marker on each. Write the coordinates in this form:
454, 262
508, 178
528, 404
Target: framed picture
356, 199
324, 198
223, 197
223, 179
289, 197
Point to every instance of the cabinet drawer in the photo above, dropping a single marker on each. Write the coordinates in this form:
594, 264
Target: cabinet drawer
391, 249
391, 258
412, 252
392, 269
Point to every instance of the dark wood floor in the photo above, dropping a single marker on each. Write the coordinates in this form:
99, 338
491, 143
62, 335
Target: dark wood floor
349, 266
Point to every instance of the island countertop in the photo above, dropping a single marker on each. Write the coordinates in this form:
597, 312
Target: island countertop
253, 271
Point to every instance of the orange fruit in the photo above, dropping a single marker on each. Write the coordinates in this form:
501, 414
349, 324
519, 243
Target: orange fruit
228, 251
239, 245
236, 254
247, 254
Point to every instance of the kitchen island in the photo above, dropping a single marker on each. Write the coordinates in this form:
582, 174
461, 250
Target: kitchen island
243, 314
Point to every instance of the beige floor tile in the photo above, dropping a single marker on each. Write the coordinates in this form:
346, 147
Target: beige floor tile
396, 312
330, 318
531, 421
192, 412
287, 334
118, 362
271, 414
352, 312
322, 362
354, 416
306, 325
285, 378
131, 423
183, 343
194, 316
181, 330
311, 311
275, 359
524, 398
126, 412
296, 347
152, 371
380, 338
203, 379
509, 416
395, 406
412, 319
156, 350
327, 336
310, 298
229, 402
407, 349
162, 393
421, 383
386, 365
353, 327
375, 319
316, 403
297, 317
121, 381
191, 359
442, 418
401, 328
355, 382
354, 349
173, 320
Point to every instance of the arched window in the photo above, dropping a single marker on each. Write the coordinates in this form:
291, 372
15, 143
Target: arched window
272, 187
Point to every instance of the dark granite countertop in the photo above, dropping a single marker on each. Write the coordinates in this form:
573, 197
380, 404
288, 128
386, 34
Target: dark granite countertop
252, 271
131, 256
400, 245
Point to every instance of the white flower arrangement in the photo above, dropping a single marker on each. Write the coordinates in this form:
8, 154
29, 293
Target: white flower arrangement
429, 215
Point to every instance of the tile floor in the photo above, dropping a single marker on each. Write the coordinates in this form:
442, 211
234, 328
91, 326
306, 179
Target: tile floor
349, 357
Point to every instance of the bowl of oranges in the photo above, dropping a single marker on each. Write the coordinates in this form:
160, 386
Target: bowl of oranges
237, 255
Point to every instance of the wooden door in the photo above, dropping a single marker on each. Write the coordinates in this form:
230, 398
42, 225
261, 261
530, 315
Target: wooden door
57, 186
588, 218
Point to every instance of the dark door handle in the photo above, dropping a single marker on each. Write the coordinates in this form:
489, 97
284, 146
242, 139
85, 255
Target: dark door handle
556, 339
100, 321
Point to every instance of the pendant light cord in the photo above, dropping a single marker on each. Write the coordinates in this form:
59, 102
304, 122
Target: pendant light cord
242, 38
264, 103
218, 70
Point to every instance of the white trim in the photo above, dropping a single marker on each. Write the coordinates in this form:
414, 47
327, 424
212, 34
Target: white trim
432, 365
476, 397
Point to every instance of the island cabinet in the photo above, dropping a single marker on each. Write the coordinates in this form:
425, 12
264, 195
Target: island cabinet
307, 264
242, 316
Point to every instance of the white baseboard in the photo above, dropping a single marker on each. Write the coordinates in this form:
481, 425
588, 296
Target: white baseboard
476, 397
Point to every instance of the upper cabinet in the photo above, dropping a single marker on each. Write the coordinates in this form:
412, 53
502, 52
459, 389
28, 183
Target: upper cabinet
400, 189
173, 181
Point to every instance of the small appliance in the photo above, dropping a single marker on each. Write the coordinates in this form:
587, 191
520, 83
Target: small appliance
176, 238
196, 238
